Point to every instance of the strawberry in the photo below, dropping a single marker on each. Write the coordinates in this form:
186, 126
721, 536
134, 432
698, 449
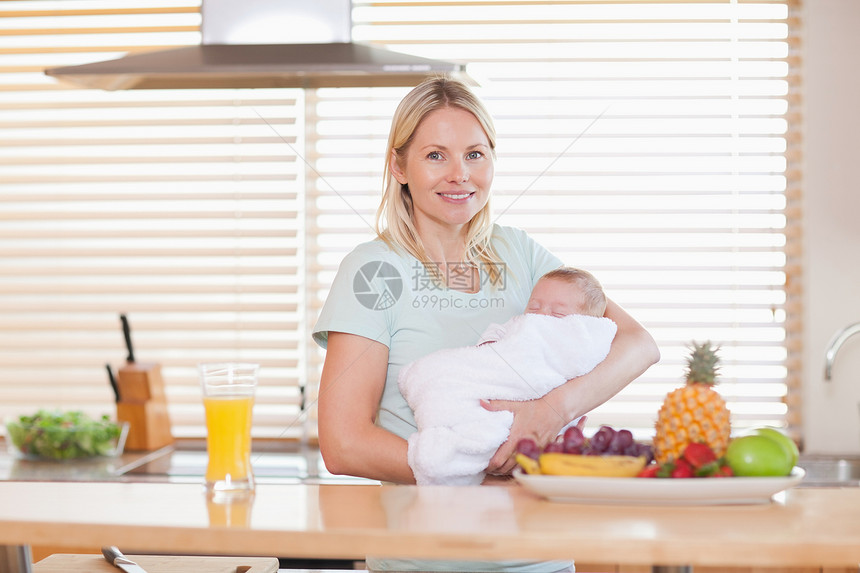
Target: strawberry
699, 455
665, 470
649, 471
683, 469
698, 460
723, 471
708, 470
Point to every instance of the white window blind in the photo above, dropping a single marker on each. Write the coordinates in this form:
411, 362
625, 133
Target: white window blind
645, 141
650, 142
181, 209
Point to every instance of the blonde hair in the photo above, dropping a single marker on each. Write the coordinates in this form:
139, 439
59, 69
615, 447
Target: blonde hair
592, 292
394, 218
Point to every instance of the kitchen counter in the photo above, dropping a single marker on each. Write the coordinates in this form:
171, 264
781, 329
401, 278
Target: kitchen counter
801, 527
273, 463
152, 502
94, 469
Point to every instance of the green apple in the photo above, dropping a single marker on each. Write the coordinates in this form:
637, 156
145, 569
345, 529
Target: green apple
758, 455
787, 443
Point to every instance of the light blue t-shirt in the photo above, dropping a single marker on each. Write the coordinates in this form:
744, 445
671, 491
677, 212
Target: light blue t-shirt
388, 296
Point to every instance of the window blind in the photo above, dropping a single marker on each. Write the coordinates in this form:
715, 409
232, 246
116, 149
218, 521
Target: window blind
653, 143
644, 141
180, 209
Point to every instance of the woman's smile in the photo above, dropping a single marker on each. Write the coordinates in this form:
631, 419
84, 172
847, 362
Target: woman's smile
456, 196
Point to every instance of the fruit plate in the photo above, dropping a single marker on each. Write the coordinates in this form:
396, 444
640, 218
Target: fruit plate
658, 491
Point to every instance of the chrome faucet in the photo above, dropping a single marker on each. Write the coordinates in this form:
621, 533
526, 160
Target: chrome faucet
835, 343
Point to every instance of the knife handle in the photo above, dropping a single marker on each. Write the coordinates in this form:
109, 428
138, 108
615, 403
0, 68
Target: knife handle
111, 554
126, 331
112, 381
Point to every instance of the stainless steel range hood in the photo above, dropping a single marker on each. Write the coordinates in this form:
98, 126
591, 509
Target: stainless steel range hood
245, 46
257, 66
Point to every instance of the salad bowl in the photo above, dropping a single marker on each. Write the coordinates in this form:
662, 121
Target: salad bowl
71, 435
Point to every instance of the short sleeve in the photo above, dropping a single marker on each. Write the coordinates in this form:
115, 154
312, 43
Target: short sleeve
358, 302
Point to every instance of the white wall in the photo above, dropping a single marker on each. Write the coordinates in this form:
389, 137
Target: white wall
831, 62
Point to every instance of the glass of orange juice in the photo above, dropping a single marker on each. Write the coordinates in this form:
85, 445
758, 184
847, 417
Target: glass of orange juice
228, 398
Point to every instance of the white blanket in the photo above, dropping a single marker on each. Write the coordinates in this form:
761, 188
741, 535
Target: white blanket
456, 436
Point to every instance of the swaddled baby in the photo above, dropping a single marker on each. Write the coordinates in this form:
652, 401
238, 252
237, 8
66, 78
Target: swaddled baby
561, 335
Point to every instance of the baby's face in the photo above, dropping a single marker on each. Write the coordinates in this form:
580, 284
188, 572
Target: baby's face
555, 297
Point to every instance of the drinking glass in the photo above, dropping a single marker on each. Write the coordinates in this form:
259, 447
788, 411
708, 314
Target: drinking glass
228, 398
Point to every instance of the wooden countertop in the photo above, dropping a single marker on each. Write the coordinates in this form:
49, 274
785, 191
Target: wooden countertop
807, 526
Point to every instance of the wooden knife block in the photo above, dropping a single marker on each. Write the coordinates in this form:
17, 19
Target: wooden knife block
143, 404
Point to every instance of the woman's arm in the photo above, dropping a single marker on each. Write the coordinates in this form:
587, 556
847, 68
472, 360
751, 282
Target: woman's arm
632, 352
353, 378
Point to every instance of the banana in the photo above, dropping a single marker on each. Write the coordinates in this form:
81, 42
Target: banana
597, 466
529, 465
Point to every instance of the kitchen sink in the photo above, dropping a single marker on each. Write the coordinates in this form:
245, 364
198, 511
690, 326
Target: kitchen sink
824, 470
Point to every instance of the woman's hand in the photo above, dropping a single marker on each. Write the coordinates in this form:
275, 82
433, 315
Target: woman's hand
535, 419
632, 352
490, 479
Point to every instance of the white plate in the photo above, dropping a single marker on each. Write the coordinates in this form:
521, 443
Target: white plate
658, 491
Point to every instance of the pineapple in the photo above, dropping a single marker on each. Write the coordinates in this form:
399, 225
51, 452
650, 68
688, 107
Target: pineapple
694, 412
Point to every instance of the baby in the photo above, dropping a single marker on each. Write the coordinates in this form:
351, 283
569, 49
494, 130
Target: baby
561, 335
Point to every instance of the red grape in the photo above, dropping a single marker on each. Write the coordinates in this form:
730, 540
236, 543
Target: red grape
602, 438
528, 447
620, 441
573, 440
605, 441
554, 447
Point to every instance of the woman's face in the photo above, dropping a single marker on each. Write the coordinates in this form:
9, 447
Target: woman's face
449, 169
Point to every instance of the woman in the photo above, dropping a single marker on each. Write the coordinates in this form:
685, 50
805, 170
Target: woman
437, 275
